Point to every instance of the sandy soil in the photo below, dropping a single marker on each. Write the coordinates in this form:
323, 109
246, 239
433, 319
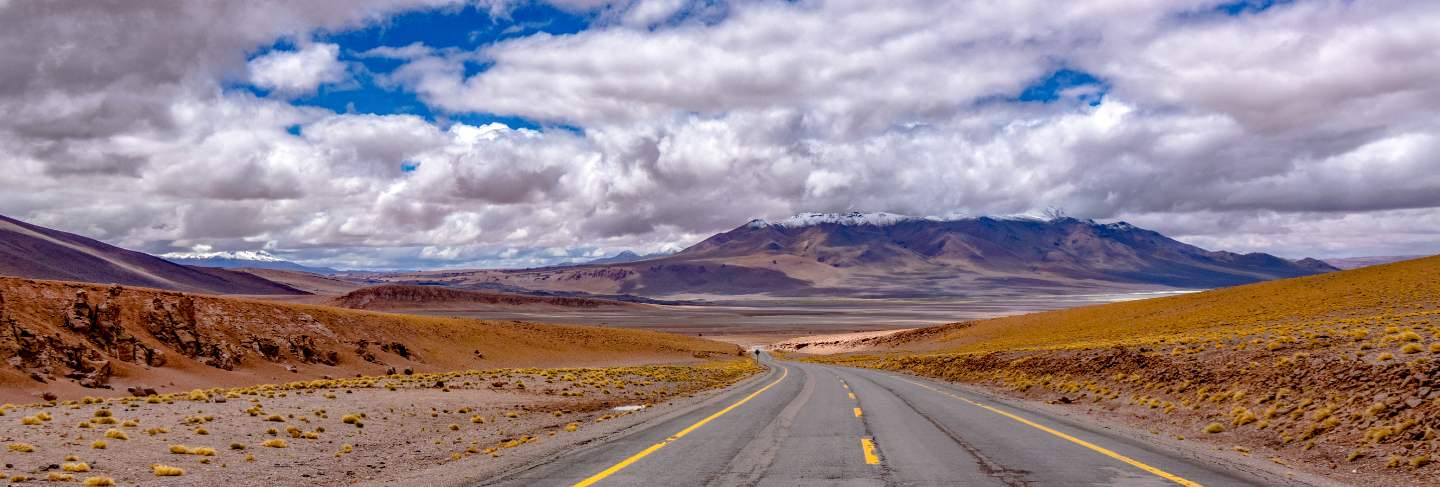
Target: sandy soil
403, 425
832, 343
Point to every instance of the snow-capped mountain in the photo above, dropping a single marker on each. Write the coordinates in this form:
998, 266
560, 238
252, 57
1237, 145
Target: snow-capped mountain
891, 255
254, 259
1005, 249
245, 255
879, 219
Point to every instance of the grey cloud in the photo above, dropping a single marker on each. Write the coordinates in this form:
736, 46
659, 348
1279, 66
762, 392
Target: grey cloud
1308, 128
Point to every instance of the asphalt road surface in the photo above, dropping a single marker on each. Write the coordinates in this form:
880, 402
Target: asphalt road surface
807, 424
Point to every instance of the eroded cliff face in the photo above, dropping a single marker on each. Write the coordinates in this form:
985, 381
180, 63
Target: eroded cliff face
56, 331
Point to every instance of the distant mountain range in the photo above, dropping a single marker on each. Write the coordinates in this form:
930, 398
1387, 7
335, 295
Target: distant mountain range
1357, 262
624, 256
41, 253
251, 259
887, 255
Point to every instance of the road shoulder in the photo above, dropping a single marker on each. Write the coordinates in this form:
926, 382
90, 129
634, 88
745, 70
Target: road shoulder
1085, 418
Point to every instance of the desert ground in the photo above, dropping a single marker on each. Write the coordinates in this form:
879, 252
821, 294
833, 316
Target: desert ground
340, 432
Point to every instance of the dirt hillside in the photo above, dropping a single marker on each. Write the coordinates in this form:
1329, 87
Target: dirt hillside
407, 297
71, 338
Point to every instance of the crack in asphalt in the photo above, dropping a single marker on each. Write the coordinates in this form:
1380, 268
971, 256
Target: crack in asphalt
772, 435
886, 476
1009, 476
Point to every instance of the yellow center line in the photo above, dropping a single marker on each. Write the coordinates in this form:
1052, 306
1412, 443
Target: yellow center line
646, 452
1097, 448
867, 445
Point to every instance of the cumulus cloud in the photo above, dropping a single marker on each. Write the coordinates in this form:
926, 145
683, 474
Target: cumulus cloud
300, 72
1304, 129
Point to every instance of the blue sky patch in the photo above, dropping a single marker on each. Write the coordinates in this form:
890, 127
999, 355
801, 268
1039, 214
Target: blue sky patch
466, 28
1066, 82
1241, 7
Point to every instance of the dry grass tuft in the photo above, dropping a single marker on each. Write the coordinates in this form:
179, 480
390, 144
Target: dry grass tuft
98, 482
166, 470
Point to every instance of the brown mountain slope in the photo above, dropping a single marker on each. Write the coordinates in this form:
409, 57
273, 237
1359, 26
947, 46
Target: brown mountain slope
64, 337
40, 253
403, 297
1328, 371
306, 281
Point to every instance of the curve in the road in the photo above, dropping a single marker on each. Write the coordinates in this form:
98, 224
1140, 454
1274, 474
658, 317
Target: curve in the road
681, 434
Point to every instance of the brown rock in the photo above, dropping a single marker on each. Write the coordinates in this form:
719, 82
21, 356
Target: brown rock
397, 348
141, 391
305, 348
99, 377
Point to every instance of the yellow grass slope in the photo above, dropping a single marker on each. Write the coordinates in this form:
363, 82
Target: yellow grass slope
1402, 291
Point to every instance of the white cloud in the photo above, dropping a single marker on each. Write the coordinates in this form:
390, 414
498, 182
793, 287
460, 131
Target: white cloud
298, 73
1306, 129
650, 12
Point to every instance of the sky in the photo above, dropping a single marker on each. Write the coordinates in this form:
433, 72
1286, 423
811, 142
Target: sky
409, 134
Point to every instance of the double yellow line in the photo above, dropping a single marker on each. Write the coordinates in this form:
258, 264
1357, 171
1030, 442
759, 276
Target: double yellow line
1097, 448
653, 448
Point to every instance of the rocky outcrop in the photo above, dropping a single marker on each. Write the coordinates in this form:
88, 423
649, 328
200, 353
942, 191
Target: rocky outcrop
400, 349
362, 349
303, 347
46, 356
100, 325
101, 339
87, 334
174, 324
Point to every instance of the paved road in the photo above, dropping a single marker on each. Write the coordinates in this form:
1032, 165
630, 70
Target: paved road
808, 424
